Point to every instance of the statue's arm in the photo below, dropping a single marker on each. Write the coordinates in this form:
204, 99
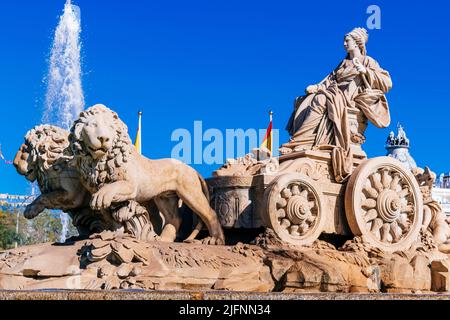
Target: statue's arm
377, 77
119, 191
322, 85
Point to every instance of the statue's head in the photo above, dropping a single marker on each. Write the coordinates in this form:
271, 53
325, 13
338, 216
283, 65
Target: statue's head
356, 39
97, 132
44, 146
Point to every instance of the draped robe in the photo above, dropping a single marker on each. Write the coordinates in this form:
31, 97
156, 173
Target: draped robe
320, 119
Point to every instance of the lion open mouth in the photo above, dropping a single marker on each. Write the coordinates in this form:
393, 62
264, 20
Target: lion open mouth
98, 152
102, 149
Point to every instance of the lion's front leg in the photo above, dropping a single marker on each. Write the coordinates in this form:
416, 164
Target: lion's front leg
34, 209
119, 191
52, 200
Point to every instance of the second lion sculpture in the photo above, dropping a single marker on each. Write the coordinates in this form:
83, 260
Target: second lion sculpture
44, 157
113, 171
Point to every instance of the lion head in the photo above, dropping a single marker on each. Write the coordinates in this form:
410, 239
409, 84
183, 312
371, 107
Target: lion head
46, 147
101, 145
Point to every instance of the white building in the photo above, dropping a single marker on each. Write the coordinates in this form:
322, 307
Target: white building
16, 201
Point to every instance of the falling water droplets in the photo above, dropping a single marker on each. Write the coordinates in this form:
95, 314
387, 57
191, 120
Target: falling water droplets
64, 99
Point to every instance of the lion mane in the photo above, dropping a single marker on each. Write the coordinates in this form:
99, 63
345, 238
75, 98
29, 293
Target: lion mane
49, 150
108, 169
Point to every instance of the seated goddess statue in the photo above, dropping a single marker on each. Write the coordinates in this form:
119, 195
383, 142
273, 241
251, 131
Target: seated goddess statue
320, 119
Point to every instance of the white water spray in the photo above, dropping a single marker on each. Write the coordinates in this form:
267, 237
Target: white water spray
64, 99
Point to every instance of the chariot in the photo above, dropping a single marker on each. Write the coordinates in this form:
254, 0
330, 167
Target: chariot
298, 197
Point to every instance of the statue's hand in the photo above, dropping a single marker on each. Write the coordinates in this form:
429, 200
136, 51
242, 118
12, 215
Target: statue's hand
361, 69
312, 89
359, 66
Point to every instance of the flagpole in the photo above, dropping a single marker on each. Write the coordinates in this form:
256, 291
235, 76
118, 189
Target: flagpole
139, 134
271, 134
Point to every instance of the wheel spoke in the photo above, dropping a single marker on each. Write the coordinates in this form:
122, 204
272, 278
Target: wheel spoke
395, 231
304, 194
371, 214
295, 190
408, 209
293, 230
311, 219
376, 183
303, 228
385, 232
369, 204
394, 182
286, 193
404, 192
376, 225
385, 179
370, 192
403, 222
285, 223
281, 213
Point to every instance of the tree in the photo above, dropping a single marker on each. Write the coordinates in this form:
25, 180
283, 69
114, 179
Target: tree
47, 227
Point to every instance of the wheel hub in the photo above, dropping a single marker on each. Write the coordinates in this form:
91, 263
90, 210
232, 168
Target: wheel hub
297, 209
388, 205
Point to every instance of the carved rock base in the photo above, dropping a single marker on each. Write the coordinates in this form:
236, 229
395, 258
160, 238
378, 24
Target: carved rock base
107, 262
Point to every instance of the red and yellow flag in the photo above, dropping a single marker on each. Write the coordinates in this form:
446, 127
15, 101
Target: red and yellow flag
138, 141
268, 141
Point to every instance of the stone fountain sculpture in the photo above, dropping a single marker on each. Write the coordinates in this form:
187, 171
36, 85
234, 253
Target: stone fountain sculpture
44, 157
329, 218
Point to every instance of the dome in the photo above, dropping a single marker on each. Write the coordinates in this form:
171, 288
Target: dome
398, 148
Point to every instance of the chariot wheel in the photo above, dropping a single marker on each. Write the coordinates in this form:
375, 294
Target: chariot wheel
383, 204
295, 209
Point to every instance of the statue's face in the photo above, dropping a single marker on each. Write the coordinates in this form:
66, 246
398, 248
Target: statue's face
350, 44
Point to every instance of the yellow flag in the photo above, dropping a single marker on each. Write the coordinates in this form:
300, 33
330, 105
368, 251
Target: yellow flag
138, 141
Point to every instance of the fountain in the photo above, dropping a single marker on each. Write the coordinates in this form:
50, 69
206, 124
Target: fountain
64, 98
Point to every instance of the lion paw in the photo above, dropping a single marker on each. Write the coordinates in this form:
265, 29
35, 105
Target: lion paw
101, 200
32, 211
213, 241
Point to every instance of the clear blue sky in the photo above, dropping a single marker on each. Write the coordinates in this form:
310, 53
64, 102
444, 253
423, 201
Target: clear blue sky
225, 62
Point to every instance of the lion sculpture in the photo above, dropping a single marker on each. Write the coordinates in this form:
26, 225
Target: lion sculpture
44, 157
113, 171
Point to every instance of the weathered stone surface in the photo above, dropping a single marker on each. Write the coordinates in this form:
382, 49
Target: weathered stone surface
180, 266
422, 273
440, 276
397, 274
